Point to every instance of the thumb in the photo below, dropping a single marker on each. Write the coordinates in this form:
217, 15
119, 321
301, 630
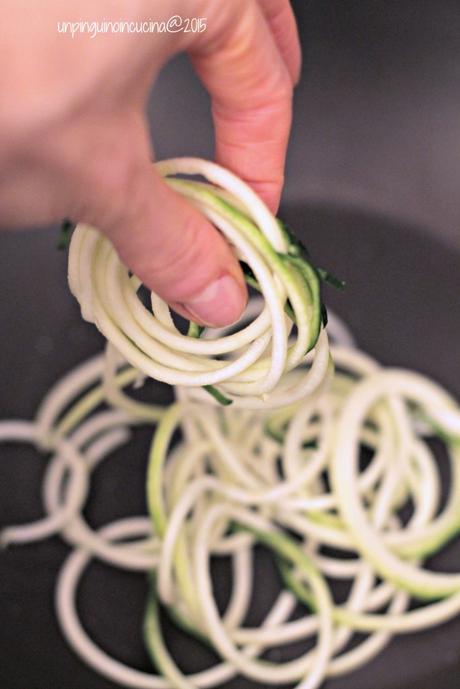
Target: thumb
173, 248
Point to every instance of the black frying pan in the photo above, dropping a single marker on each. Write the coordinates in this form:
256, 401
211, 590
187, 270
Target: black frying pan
401, 304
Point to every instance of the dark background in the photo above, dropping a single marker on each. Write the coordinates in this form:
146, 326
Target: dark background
372, 187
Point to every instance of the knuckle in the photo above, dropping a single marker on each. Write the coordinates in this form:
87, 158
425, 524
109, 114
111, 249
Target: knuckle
116, 190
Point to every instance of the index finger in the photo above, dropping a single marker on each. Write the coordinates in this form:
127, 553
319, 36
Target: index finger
251, 90
282, 22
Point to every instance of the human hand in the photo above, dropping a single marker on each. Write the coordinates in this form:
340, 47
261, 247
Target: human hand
74, 137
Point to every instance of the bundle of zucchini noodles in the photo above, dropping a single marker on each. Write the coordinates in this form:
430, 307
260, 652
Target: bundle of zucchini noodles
333, 472
247, 365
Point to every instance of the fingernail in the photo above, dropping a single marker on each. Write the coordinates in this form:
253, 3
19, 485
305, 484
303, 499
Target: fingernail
220, 303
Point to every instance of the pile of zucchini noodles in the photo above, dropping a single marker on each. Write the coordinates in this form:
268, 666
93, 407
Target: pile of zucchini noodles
331, 470
290, 480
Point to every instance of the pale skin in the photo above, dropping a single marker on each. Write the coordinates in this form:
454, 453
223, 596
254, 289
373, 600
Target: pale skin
74, 138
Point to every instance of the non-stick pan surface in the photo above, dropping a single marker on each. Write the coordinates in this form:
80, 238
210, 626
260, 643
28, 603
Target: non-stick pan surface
402, 304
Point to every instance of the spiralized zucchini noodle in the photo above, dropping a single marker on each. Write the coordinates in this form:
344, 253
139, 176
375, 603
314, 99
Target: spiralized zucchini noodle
248, 364
329, 468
